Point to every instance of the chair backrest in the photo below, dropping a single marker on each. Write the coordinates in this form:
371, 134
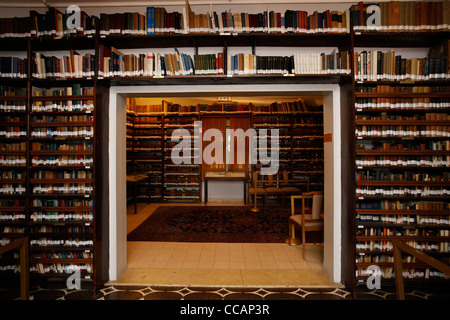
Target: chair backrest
255, 178
270, 178
285, 178
317, 203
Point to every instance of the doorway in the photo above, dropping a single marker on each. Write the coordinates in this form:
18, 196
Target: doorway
330, 95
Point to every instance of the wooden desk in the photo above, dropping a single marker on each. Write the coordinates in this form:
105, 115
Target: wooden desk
229, 176
134, 179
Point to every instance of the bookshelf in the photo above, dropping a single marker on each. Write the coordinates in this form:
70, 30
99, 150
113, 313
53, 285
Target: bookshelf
13, 149
71, 56
62, 180
182, 182
49, 154
401, 175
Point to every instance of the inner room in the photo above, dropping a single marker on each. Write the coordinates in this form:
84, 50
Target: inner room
190, 197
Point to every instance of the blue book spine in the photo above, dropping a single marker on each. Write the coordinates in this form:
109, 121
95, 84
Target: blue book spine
150, 20
15, 67
224, 20
216, 20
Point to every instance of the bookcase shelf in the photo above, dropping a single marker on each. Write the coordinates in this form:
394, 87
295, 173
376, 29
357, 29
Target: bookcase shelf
301, 155
381, 148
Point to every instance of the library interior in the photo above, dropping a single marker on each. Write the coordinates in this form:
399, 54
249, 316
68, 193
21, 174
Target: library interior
225, 150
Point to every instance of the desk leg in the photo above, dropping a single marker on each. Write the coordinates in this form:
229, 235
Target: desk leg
206, 191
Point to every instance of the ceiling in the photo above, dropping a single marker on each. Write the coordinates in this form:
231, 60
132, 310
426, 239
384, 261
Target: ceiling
117, 3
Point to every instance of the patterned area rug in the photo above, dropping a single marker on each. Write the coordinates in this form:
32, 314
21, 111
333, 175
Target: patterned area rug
213, 224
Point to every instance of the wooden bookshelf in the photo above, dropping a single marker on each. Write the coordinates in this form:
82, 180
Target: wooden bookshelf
182, 182
384, 191
22, 212
61, 180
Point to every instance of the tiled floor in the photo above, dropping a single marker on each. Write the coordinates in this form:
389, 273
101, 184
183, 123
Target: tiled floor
223, 264
204, 271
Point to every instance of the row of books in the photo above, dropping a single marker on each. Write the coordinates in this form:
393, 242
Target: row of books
71, 118
72, 66
70, 242
269, 21
377, 65
75, 90
403, 205
433, 246
298, 106
157, 20
62, 255
52, 23
14, 216
402, 131
405, 176
61, 229
298, 63
381, 259
371, 65
406, 146
73, 174
428, 116
401, 16
440, 220
37, 146
395, 16
400, 231
66, 188
115, 63
63, 131
13, 67
402, 192
12, 132
12, 161
63, 106
401, 103
7, 91
8, 188
403, 161
381, 88
75, 202
11, 175
61, 161
51, 216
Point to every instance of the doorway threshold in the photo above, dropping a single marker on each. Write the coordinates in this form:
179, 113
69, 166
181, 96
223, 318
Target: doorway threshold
226, 278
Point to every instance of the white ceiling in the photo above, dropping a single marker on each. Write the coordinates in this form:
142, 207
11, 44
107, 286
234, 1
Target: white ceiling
117, 3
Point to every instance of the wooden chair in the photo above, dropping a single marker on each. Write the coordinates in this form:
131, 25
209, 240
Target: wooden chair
289, 189
259, 191
311, 217
274, 188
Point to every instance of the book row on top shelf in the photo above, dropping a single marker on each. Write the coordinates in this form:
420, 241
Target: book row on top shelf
401, 16
157, 20
394, 16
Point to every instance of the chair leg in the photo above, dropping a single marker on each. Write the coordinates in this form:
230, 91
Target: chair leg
303, 243
290, 232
